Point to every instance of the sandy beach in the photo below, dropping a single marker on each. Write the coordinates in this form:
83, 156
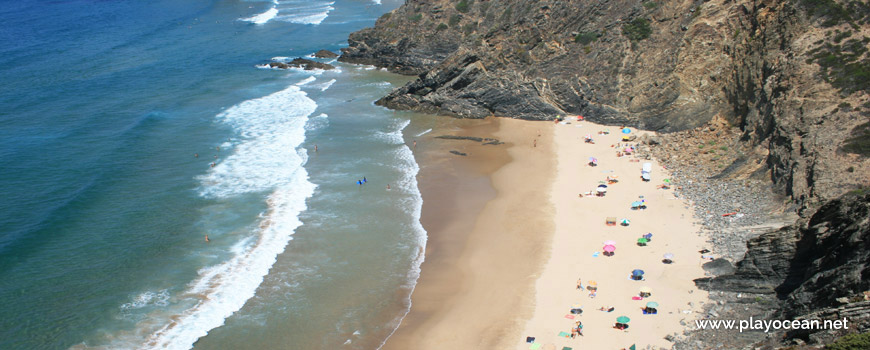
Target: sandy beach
577, 250
489, 220
509, 236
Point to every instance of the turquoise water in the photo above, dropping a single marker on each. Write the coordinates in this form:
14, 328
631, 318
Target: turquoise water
105, 206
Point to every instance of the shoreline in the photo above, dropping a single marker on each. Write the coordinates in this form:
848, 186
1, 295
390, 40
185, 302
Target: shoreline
487, 217
508, 238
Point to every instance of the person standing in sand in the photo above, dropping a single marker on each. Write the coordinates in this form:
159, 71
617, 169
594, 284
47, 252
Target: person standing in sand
579, 284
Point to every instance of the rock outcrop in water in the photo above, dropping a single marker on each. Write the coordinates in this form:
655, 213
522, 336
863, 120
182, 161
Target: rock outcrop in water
303, 63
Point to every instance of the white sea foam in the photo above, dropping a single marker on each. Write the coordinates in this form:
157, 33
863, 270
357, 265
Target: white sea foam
267, 128
414, 204
318, 122
280, 59
262, 18
304, 11
326, 85
376, 2
160, 298
294, 11
423, 133
306, 81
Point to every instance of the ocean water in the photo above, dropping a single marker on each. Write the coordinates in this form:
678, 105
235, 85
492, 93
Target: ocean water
131, 130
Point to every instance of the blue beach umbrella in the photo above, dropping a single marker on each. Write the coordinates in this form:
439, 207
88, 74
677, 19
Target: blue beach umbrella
626, 131
637, 273
636, 204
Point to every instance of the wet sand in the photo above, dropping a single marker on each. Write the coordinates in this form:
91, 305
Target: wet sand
489, 222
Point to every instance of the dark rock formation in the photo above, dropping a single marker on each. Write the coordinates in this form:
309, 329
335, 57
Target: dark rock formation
817, 268
458, 153
325, 54
453, 137
302, 63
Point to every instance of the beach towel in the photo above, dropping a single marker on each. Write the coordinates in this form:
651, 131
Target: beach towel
564, 334
535, 346
636, 298
595, 255
569, 316
567, 348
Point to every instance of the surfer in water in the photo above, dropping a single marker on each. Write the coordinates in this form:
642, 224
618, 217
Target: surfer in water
359, 182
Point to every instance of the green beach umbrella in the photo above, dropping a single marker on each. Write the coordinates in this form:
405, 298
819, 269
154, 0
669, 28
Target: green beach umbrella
642, 240
623, 319
652, 304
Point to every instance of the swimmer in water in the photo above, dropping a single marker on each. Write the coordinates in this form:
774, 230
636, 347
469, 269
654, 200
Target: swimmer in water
388, 187
206, 239
196, 155
315, 147
212, 164
364, 179
359, 182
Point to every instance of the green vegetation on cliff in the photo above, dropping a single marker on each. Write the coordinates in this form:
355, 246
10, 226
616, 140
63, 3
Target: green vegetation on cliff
637, 30
851, 342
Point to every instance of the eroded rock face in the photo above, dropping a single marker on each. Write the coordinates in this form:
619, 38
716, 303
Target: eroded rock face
665, 65
817, 268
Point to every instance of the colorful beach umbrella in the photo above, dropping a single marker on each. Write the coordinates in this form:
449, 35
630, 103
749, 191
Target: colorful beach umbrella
642, 240
637, 272
623, 319
626, 131
609, 248
652, 304
593, 159
645, 289
668, 256
625, 222
609, 243
628, 149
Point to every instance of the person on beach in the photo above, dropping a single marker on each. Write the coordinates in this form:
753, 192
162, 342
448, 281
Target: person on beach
415, 144
579, 284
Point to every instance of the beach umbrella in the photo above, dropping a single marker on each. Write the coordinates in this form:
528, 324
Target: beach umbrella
645, 289
609, 248
669, 256
593, 283
667, 180
593, 159
637, 272
576, 306
628, 149
625, 222
642, 240
602, 186
652, 304
648, 236
636, 204
623, 319
626, 131
609, 243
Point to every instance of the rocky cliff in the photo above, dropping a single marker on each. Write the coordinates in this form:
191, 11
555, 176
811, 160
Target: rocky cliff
818, 268
791, 74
